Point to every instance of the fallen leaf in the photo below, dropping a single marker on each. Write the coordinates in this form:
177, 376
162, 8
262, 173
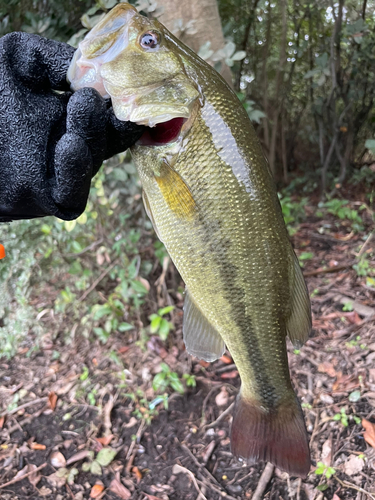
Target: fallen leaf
353, 317
204, 363
119, 489
56, 481
369, 434
327, 368
222, 398
96, 490
232, 374
105, 456
79, 456
57, 459
226, 359
131, 423
327, 452
37, 446
123, 349
137, 473
35, 477
335, 497
52, 400
354, 465
2, 420
105, 440
44, 491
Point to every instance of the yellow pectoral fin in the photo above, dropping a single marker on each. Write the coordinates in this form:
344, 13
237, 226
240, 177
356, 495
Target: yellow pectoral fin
175, 192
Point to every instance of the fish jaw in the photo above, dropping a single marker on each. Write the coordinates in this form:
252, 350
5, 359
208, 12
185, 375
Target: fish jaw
103, 43
146, 86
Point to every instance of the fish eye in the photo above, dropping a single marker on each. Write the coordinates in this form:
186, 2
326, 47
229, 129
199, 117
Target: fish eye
149, 40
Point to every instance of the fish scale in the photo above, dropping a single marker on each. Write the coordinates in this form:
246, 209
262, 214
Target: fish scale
212, 200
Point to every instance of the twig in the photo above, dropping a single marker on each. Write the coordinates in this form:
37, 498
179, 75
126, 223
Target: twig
26, 405
220, 417
362, 250
354, 487
86, 249
334, 269
263, 481
98, 280
132, 450
21, 478
178, 469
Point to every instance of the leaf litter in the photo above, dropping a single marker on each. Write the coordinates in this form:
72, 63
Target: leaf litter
127, 441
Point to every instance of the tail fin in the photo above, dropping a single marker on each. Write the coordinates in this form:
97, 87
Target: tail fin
278, 436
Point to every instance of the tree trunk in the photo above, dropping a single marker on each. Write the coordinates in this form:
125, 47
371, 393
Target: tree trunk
207, 24
279, 83
265, 82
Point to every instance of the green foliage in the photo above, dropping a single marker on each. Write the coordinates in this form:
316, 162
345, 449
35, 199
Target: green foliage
341, 209
363, 268
293, 212
102, 246
255, 115
159, 324
166, 378
324, 470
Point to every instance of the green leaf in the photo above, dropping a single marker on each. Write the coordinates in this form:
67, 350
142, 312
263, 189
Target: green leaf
177, 386
370, 144
354, 396
124, 327
239, 55
95, 468
155, 323
105, 456
164, 328
84, 374
138, 287
165, 310
306, 256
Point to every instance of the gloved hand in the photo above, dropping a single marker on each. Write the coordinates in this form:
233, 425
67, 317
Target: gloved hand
51, 143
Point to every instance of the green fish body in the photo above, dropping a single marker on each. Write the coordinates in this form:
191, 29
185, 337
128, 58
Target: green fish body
211, 197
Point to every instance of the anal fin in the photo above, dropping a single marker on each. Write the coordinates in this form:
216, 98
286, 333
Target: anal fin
299, 322
201, 338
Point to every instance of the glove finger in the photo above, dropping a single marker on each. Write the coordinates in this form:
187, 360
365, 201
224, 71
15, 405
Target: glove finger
38, 62
86, 117
120, 135
70, 185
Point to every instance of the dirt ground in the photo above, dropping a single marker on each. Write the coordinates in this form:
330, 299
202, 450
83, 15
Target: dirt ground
77, 424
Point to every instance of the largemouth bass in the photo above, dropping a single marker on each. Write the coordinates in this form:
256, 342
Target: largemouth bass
212, 200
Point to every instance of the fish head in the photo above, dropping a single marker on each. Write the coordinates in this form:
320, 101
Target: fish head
134, 61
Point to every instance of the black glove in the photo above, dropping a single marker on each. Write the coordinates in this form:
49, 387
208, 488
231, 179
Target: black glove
51, 143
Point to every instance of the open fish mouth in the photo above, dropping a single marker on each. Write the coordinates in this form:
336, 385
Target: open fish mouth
163, 133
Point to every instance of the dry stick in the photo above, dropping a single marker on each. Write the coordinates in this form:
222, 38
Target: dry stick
17, 479
132, 449
263, 481
220, 417
98, 280
86, 249
26, 405
192, 477
210, 477
354, 487
336, 269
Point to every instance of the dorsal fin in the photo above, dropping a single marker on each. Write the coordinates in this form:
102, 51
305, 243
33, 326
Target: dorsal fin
201, 338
